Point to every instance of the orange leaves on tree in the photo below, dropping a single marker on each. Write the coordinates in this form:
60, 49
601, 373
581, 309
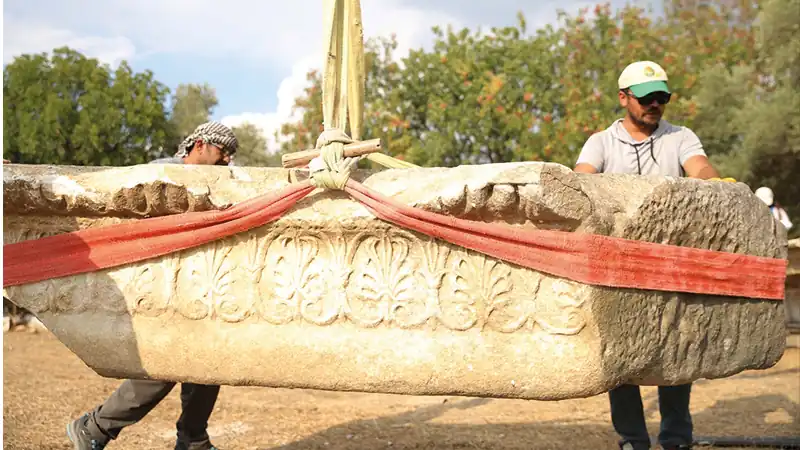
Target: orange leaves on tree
692, 110
689, 81
495, 84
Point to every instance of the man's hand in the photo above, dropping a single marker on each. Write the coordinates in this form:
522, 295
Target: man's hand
700, 167
585, 168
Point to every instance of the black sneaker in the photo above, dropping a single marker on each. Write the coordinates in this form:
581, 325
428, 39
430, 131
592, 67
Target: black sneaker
80, 437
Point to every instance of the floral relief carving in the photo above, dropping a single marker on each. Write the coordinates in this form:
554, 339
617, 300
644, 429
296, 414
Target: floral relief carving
382, 277
564, 315
385, 281
293, 281
204, 281
431, 274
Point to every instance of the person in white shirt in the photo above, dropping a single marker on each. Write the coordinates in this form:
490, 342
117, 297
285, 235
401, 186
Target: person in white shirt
767, 196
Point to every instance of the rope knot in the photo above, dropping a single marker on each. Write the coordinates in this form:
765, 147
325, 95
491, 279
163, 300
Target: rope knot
331, 169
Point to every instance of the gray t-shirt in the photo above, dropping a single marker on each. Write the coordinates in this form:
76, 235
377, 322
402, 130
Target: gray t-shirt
613, 150
170, 160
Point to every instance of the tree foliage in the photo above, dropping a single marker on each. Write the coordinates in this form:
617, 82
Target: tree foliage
69, 109
253, 147
192, 105
749, 117
511, 94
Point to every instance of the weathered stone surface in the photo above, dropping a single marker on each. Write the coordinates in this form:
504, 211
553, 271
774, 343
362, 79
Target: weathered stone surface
330, 297
793, 286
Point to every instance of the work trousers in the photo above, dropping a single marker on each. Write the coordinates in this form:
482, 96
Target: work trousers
135, 398
627, 415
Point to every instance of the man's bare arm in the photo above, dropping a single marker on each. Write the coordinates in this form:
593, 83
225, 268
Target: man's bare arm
585, 168
700, 167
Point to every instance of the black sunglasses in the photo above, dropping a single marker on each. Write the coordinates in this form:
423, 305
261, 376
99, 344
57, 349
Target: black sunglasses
661, 97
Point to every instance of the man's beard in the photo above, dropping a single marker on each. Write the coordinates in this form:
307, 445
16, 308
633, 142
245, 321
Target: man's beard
640, 121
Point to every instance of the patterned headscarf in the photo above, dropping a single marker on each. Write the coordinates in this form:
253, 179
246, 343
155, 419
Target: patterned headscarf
213, 133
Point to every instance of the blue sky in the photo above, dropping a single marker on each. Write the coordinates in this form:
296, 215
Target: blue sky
254, 53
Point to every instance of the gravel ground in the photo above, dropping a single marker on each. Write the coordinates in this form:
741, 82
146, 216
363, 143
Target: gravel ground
45, 386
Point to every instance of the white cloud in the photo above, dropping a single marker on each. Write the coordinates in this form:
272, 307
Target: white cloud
24, 36
272, 32
290, 88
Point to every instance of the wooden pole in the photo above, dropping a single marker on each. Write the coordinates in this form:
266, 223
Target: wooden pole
300, 159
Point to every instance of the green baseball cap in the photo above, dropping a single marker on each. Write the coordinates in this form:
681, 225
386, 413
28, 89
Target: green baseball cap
643, 89
643, 78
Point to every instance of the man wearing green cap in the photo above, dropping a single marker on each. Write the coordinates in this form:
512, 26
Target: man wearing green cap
645, 144
642, 142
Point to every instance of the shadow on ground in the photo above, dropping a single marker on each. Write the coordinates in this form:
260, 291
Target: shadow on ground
418, 429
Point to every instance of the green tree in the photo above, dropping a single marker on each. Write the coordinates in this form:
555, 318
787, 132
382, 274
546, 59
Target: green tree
468, 101
191, 105
69, 109
750, 117
253, 147
478, 96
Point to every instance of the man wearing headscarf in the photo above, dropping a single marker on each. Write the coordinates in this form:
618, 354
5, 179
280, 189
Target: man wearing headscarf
211, 143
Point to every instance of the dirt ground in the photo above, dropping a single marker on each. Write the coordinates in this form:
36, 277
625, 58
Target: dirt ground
45, 386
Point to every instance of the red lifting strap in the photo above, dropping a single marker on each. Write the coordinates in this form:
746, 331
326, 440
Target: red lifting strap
585, 258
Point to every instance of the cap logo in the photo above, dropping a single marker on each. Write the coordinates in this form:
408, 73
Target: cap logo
649, 72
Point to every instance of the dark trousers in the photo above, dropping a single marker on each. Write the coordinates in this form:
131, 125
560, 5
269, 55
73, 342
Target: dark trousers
135, 398
627, 415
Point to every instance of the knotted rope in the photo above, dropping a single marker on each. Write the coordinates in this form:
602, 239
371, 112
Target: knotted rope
331, 170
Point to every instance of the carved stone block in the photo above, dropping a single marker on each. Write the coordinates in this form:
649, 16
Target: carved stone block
329, 297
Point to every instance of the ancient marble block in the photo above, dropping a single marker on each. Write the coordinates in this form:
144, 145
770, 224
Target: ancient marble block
329, 297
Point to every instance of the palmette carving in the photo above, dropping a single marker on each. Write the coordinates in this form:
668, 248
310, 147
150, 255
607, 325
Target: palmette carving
383, 277
385, 282
204, 281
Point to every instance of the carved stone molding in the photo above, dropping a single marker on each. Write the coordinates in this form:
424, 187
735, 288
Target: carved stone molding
384, 277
